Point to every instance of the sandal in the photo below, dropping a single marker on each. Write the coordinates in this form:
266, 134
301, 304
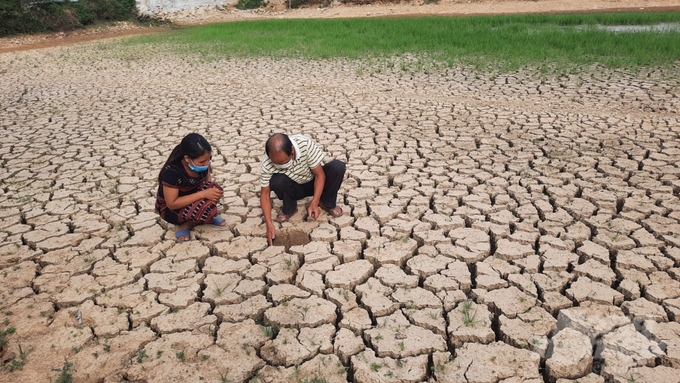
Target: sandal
334, 212
218, 221
281, 217
182, 233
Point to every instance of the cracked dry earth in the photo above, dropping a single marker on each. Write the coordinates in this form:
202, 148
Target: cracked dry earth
498, 228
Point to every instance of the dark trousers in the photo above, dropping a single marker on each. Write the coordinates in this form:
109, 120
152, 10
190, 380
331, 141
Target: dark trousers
290, 191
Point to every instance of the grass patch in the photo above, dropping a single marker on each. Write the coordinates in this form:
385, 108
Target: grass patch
497, 42
3, 336
65, 376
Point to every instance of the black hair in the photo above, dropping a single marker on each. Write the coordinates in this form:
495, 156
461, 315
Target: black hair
193, 145
279, 141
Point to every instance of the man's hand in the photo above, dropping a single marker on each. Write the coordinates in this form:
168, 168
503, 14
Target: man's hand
266, 205
271, 233
213, 194
313, 211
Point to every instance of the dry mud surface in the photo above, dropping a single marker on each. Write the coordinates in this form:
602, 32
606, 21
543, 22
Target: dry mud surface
497, 228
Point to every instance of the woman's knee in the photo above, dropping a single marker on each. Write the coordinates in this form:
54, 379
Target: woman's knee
202, 211
211, 212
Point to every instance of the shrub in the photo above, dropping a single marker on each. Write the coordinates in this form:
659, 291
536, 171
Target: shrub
307, 3
26, 16
56, 17
292, 4
14, 18
249, 4
113, 9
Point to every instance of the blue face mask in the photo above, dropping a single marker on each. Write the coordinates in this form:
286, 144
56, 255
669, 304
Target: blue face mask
196, 168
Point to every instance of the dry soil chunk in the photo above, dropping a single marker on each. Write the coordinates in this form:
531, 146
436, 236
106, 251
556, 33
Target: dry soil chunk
286, 349
246, 332
510, 301
508, 250
349, 275
417, 297
405, 341
592, 319
667, 335
570, 355
470, 322
479, 363
189, 318
648, 375
596, 271
584, 289
590, 378
381, 252
301, 312
591, 250
393, 275
473, 245
529, 330
641, 309
628, 341
347, 344
252, 308
663, 287
357, 320
321, 368
368, 368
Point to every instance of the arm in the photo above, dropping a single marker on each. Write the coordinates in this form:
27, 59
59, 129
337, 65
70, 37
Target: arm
266, 205
319, 182
175, 203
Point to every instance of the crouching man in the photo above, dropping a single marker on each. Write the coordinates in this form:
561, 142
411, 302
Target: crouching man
292, 168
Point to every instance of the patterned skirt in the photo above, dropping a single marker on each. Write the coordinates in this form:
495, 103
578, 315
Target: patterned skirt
201, 211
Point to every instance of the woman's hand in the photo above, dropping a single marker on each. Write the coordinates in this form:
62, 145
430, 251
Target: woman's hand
213, 194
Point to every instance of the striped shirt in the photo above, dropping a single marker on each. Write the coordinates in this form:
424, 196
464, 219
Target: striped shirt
307, 157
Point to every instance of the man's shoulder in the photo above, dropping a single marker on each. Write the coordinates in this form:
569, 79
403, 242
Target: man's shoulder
299, 138
266, 164
305, 143
265, 158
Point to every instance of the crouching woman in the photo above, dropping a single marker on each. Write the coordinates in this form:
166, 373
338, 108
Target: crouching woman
186, 195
